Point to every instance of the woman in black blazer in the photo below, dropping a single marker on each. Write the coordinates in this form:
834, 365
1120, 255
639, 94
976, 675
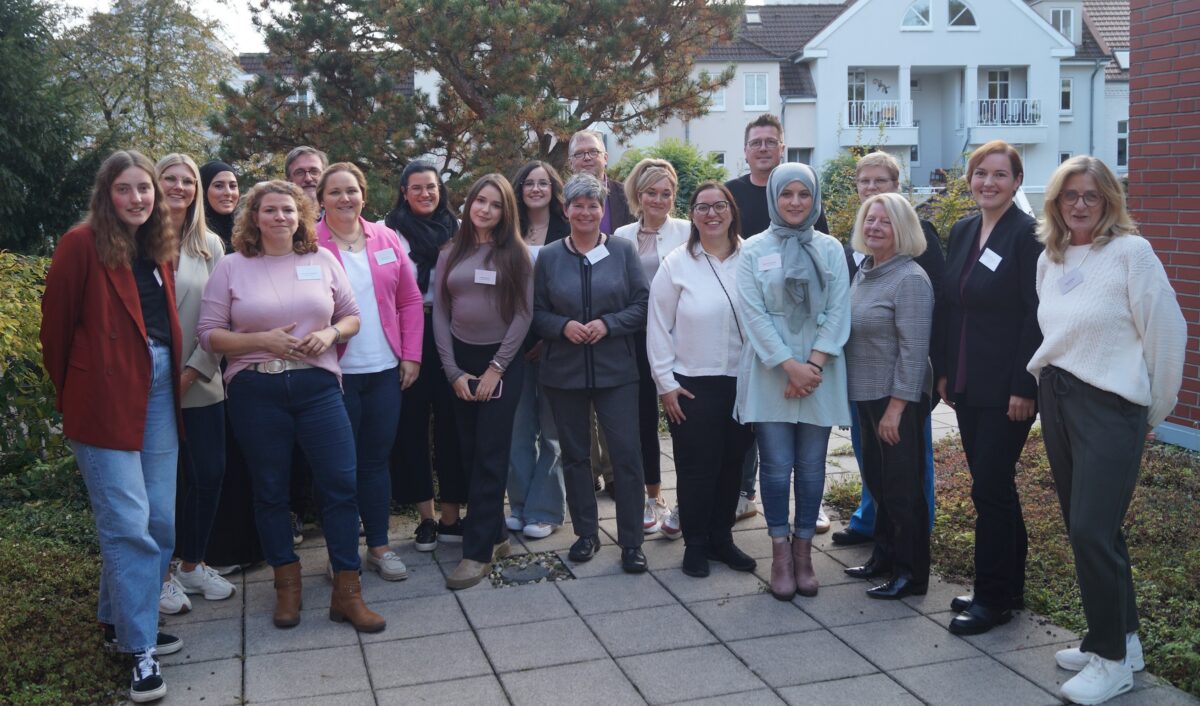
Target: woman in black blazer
987, 332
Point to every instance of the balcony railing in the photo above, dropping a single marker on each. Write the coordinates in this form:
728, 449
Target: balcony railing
879, 113
1008, 112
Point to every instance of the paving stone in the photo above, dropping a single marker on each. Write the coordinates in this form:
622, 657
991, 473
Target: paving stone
800, 658
315, 631
313, 560
604, 594
354, 698
1038, 666
662, 553
690, 673
1025, 630
850, 556
908, 642
335, 670
315, 592
634, 632
213, 639
756, 615
937, 600
532, 645
606, 563
598, 682
756, 543
869, 689
432, 658
980, 681
418, 617
515, 604
829, 571
848, 604
559, 540
213, 683
423, 580
723, 582
1160, 696
207, 611
759, 697
477, 691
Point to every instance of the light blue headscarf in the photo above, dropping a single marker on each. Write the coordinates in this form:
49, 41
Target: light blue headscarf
803, 272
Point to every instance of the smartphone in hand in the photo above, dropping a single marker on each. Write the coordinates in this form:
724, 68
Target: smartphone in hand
473, 388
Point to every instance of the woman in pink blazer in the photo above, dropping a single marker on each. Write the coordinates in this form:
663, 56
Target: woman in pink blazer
385, 357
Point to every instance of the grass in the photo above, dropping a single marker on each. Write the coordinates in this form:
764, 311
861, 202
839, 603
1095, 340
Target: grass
1161, 530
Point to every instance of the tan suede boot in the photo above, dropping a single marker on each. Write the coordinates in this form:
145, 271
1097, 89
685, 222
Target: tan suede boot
783, 579
802, 566
347, 604
287, 595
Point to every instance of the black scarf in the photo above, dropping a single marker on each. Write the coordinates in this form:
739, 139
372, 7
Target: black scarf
425, 236
222, 225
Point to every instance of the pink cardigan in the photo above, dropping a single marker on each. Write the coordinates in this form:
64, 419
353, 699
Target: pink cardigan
401, 309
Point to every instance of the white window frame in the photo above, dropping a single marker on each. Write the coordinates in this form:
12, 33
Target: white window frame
951, 27
1064, 156
914, 150
717, 101
1004, 80
1122, 139
1066, 90
751, 80
926, 16
856, 78
1063, 18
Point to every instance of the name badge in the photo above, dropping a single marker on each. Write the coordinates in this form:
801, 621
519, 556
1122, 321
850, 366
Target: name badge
485, 277
770, 262
304, 272
158, 277
1070, 281
858, 258
597, 254
383, 257
534, 250
990, 259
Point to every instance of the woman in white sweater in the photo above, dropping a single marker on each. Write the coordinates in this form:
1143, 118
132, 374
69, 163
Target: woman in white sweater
694, 343
1109, 369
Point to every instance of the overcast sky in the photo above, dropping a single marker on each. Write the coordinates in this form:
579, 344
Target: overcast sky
234, 16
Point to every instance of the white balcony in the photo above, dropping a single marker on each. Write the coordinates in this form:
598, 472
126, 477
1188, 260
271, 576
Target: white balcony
1021, 112
879, 113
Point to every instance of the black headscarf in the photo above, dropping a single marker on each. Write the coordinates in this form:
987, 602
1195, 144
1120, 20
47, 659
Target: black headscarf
425, 234
222, 225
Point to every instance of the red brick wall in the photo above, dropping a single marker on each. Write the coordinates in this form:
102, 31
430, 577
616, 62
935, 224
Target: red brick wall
1164, 159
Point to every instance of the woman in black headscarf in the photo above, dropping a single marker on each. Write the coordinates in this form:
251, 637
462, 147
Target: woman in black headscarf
219, 185
422, 219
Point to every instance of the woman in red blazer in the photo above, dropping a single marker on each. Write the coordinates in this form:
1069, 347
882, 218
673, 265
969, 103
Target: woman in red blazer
111, 345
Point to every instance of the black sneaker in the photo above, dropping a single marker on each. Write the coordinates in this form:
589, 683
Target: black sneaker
450, 534
147, 683
427, 536
297, 529
167, 644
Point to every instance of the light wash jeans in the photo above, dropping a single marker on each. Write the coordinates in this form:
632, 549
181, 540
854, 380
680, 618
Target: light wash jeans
535, 476
133, 500
863, 519
782, 448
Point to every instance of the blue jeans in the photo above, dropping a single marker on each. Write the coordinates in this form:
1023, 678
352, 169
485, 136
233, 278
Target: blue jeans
750, 470
782, 448
132, 494
272, 413
373, 405
535, 479
204, 462
863, 519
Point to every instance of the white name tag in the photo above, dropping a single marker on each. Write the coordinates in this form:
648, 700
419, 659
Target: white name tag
383, 257
858, 258
485, 277
158, 276
597, 254
308, 272
990, 259
1070, 281
770, 262
534, 250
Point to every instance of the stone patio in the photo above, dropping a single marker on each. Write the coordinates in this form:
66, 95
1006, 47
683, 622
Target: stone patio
605, 637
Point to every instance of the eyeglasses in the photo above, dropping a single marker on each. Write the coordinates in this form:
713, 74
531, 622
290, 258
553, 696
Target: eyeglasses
715, 207
587, 154
301, 173
868, 183
540, 184
1090, 198
769, 143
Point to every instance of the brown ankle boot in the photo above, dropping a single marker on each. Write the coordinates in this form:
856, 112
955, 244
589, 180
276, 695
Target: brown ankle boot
347, 604
783, 579
287, 595
802, 566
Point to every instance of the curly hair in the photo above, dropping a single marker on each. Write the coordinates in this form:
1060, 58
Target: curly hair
247, 238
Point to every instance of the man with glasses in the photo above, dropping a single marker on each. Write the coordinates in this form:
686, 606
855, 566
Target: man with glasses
303, 167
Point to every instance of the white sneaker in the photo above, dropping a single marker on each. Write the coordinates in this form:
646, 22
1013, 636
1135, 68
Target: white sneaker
1099, 681
538, 530
514, 523
1076, 659
746, 508
390, 566
204, 579
650, 518
670, 526
171, 598
823, 523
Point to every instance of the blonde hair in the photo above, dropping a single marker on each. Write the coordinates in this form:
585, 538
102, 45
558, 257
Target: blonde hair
247, 237
644, 175
193, 233
879, 158
1114, 221
906, 227
336, 167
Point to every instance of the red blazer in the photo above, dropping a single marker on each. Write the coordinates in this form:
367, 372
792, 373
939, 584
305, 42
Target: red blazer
94, 345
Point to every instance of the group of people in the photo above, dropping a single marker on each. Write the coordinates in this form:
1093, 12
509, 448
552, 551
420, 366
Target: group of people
523, 347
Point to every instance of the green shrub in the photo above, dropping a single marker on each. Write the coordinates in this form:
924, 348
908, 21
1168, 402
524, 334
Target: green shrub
948, 206
691, 166
839, 194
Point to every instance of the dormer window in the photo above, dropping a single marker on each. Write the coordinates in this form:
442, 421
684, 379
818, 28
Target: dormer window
960, 15
753, 17
917, 16
1063, 20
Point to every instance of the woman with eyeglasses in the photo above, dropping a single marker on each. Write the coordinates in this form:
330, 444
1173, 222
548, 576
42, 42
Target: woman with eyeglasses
1109, 370
650, 191
694, 343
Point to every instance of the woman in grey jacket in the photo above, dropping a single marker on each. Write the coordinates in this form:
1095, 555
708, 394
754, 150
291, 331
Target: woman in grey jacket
589, 300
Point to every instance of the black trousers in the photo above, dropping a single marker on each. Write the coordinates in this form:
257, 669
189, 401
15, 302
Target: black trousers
710, 447
895, 475
1094, 440
993, 445
485, 440
428, 402
647, 413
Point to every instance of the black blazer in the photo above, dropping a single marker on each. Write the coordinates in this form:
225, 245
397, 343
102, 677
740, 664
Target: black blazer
618, 207
998, 309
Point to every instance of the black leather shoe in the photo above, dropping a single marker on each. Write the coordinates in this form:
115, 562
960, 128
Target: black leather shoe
849, 538
962, 603
727, 553
896, 588
978, 619
633, 561
869, 570
584, 549
695, 561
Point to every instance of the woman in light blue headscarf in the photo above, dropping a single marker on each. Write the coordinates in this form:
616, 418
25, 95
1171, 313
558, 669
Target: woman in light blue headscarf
794, 290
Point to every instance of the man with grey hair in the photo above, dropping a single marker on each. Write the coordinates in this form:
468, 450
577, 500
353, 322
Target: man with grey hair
303, 167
